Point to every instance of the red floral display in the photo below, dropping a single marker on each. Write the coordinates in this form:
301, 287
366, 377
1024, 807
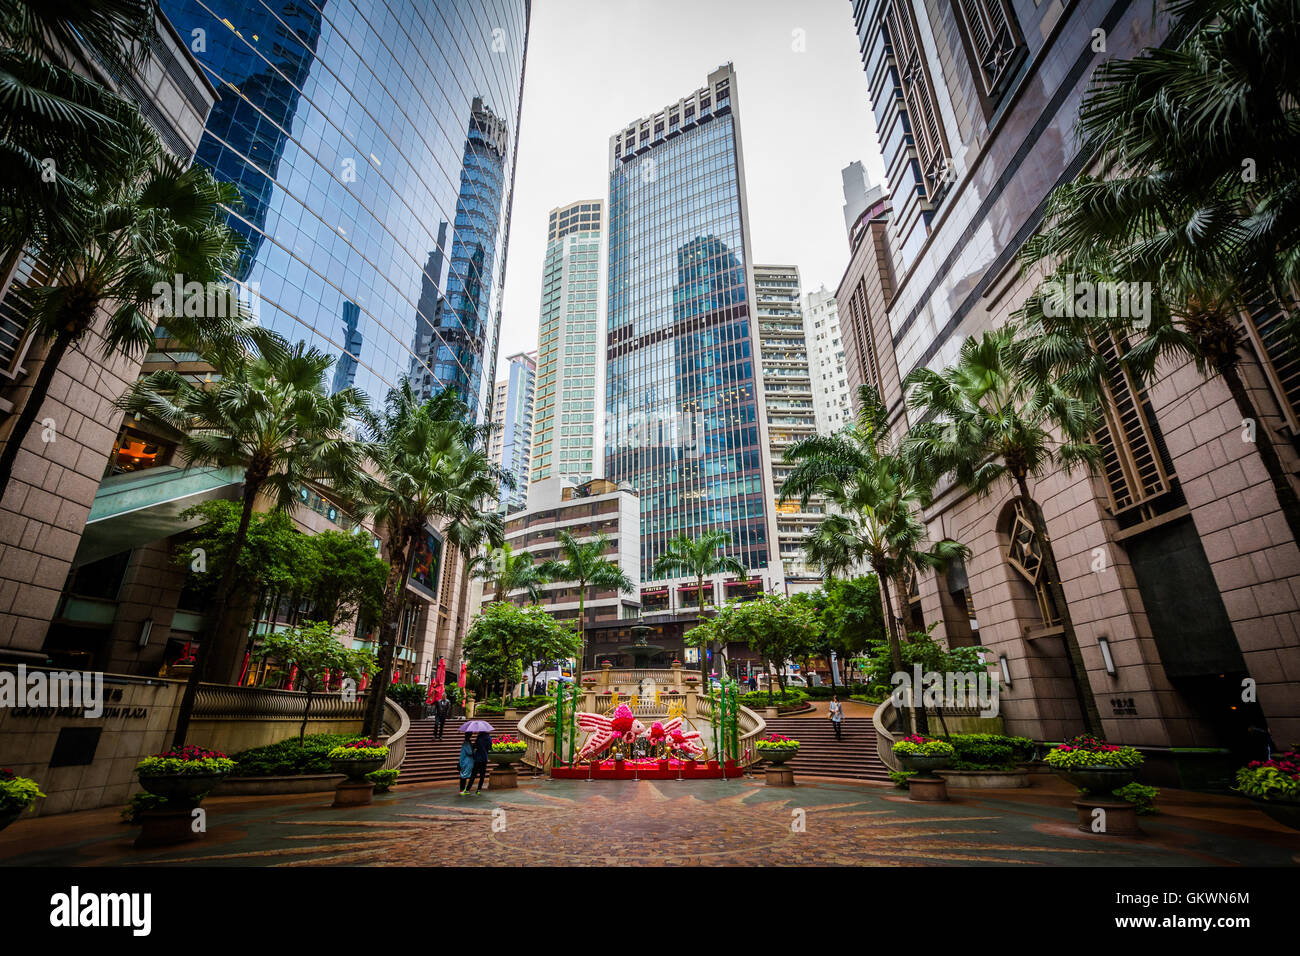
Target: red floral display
358, 744
1084, 742
191, 752
1287, 763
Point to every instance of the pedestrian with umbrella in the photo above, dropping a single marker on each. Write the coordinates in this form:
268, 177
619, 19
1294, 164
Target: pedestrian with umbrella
474, 753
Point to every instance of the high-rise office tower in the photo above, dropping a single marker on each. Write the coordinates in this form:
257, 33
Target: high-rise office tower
821, 327
684, 413
373, 145
566, 431
512, 439
791, 411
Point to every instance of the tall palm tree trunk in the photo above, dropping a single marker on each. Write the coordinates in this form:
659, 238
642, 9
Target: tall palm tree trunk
32, 407
705, 659
214, 631
1282, 487
1074, 657
896, 653
582, 631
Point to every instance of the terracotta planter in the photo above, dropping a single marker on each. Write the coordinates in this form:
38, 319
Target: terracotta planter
9, 816
356, 770
1284, 812
777, 755
1098, 779
923, 764
181, 787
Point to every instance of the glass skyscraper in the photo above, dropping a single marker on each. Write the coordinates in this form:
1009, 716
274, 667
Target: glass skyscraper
684, 420
373, 145
568, 370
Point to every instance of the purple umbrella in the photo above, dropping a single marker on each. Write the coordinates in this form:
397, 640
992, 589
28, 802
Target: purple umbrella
475, 727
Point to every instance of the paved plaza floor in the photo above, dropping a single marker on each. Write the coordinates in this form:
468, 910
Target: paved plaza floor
708, 823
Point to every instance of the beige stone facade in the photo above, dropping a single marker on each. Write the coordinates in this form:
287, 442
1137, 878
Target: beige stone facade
1182, 578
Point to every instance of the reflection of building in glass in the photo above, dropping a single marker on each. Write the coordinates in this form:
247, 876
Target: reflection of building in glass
568, 370
260, 66
466, 321
345, 370
680, 342
353, 129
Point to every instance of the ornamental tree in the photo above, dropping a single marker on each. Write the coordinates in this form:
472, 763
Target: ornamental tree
505, 635
775, 627
314, 650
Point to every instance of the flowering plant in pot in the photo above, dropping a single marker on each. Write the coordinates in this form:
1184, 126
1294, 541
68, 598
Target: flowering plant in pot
356, 759
923, 754
16, 795
1093, 765
776, 749
183, 775
507, 749
1274, 785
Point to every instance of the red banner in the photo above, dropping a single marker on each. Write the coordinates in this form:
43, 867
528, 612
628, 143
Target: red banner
437, 687
464, 668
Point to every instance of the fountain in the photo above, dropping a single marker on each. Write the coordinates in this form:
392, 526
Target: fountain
641, 651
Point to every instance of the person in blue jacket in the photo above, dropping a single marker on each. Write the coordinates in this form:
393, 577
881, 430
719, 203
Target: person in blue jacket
466, 764
482, 745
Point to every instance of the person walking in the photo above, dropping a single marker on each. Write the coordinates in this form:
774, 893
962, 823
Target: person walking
482, 744
440, 711
837, 715
466, 764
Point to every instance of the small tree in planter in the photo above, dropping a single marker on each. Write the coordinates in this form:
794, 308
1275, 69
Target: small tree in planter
16, 795
313, 649
1274, 785
1093, 765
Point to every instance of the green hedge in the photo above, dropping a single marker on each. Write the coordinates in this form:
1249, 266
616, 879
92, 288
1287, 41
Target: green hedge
758, 698
290, 757
988, 751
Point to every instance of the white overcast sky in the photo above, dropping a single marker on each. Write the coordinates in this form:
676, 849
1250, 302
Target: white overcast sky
595, 65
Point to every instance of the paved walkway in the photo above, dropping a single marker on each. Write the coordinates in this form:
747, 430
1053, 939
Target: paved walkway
708, 822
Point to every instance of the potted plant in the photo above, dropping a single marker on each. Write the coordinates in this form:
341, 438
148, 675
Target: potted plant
776, 749
183, 776
507, 749
1274, 786
356, 759
1093, 765
923, 755
383, 779
16, 795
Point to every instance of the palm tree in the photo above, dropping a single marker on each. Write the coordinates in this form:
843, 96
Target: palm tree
429, 471
584, 563
151, 219
58, 128
700, 558
270, 415
988, 418
1199, 201
877, 495
507, 571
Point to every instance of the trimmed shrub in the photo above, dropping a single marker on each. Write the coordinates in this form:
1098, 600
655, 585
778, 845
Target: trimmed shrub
290, 757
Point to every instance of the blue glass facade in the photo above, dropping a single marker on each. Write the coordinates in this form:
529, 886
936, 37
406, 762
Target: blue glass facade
681, 399
373, 144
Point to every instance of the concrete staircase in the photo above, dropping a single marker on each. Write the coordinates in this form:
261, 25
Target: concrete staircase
820, 755
429, 760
